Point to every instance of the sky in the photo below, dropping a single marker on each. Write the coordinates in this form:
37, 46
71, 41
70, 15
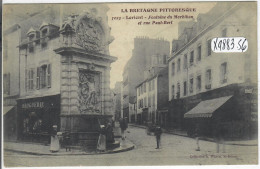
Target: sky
124, 31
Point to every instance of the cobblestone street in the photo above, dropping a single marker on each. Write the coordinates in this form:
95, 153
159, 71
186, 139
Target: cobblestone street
175, 150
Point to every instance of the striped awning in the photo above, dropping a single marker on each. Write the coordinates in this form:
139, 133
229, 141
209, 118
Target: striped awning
206, 108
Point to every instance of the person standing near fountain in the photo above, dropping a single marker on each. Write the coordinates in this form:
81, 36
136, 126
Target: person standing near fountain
101, 145
123, 126
55, 144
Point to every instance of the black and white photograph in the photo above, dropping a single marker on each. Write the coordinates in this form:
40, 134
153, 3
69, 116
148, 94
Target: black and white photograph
129, 84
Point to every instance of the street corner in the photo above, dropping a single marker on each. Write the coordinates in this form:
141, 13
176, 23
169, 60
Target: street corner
36, 149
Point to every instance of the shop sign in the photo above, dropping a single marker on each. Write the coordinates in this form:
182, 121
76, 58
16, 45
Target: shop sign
33, 105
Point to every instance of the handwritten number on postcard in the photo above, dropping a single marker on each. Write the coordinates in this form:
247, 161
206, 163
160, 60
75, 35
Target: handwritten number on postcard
229, 44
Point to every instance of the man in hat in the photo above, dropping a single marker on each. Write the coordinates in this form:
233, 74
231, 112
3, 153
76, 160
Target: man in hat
158, 133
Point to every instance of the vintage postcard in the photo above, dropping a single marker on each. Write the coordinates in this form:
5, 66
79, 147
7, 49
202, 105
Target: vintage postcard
130, 84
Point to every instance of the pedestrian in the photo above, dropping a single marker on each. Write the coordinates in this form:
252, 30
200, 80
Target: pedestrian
101, 145
220, 132
67, 141
55, 144
158, 133
197, 136
109, 133
123, 126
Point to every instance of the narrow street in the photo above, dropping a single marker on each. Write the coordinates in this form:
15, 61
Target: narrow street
175, 150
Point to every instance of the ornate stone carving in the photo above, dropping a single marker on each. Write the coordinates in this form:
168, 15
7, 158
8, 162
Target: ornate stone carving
88, 30
89, 92
89, 34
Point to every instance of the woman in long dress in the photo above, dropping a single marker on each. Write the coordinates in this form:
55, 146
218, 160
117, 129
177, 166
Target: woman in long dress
101, 145
55, 144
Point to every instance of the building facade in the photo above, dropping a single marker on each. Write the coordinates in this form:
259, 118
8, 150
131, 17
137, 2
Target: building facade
64, 75
197, 74
11, 84
152, 99
117, 100
145, 54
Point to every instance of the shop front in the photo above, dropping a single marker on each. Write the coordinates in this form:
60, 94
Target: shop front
36, 116
232, 107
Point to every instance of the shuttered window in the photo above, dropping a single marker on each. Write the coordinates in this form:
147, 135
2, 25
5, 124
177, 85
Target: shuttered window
49, 75
43, 76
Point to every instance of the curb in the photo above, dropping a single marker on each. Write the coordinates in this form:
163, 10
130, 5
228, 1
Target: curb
205, 139
131, 147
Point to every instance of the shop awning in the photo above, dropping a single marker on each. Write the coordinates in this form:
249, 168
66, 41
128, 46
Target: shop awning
206, 108
7, 109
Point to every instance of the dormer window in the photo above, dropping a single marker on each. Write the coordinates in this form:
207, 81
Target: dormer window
44, 40
31, 37
44, 32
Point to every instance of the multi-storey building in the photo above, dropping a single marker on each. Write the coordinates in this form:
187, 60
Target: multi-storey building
117, 100
146, 52
64, 74
207, 87
11, 84
152, 100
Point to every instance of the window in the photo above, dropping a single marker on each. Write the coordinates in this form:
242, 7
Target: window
191, 58
30, 74
31, 37
44, 32
44, 40
208, 79
173, 69
209, 47
31, 47
44, 44
43, 78
144, 87
191, 85
224, 72
153, 99
178, 90
185, 64
184, 88
173, 92
149, 101
179, 65
199, 53
224, 32
6, 83
199, 82
145, 102
153, 81
164, 59
49, 75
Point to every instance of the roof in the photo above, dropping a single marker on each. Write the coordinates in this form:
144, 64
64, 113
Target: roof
31, 30
161, 72
206, 108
